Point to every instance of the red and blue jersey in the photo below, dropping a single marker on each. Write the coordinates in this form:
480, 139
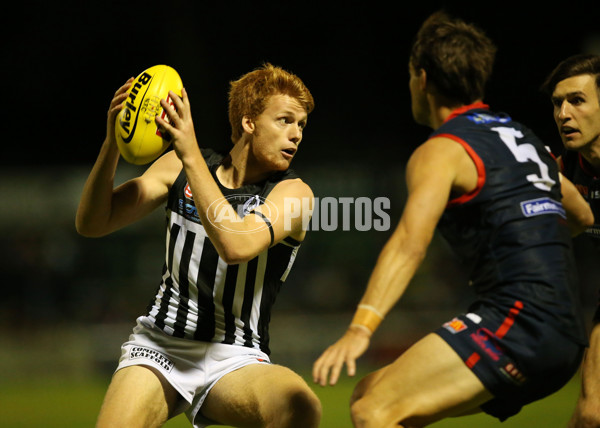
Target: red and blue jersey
511, 229
587, 181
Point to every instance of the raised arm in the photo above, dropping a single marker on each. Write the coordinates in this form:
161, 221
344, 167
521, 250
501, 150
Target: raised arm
104, 208
236, 239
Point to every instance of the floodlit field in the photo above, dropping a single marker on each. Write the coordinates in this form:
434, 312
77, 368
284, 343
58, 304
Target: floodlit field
45, 403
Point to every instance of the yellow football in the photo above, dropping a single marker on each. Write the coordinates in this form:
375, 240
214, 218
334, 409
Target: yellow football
138, 138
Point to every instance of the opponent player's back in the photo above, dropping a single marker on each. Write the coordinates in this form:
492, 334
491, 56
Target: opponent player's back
512, 230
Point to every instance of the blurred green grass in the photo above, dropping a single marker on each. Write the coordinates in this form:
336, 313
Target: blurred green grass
74, 403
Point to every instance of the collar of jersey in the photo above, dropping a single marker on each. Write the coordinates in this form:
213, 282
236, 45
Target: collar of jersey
464, 109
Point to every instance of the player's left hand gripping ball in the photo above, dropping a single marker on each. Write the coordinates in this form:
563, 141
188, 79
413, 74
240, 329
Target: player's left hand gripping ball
138, 138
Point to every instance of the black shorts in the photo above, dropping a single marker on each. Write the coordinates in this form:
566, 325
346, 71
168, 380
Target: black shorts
515, 353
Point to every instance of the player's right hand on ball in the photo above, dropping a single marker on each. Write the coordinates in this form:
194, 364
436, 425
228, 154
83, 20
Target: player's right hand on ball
116, 105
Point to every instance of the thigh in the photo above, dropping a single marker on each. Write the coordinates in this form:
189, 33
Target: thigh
257, 395
426, 383
138, 396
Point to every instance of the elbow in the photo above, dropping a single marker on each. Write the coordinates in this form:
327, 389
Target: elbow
233, 257
412, 247
86, 230
419, 254
581, 223
230, 257
416, 253
232, 260
588, 220
81, 228
238, 251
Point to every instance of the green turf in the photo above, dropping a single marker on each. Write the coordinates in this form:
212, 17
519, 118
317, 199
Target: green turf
74, 404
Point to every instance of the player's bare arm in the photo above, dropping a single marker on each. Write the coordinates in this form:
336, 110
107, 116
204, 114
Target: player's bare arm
579, 213
437, 169
250, 239
236, 239
104, 208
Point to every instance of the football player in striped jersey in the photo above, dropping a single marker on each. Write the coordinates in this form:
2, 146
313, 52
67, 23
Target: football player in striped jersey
203, 346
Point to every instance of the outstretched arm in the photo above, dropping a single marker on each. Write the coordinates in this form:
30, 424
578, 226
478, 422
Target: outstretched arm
431, 176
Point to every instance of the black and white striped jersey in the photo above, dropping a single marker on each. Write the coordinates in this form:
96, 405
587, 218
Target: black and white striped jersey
202, 298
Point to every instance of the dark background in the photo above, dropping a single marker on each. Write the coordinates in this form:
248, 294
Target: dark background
64, 60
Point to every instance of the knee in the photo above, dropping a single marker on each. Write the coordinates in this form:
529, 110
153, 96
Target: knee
302, 408
367, 413
359, 391
364, 410
371, 412
364, 386
359, 411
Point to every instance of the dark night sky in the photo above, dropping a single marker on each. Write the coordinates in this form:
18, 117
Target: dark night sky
64, 62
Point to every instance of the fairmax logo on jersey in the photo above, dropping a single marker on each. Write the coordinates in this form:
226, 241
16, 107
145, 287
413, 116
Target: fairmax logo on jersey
542, 206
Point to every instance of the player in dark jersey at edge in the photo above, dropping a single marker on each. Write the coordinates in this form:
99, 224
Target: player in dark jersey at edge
203, 346
493, 190
574, 88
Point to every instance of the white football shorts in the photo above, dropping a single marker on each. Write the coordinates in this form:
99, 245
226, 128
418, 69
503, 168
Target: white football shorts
191, 367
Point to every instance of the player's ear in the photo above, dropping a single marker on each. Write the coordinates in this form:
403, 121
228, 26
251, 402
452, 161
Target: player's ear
248, 125
422, 76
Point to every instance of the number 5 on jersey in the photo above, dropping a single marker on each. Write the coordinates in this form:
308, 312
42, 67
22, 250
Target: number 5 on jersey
526, 153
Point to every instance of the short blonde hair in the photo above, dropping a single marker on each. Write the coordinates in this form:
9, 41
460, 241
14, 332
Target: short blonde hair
249, 94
